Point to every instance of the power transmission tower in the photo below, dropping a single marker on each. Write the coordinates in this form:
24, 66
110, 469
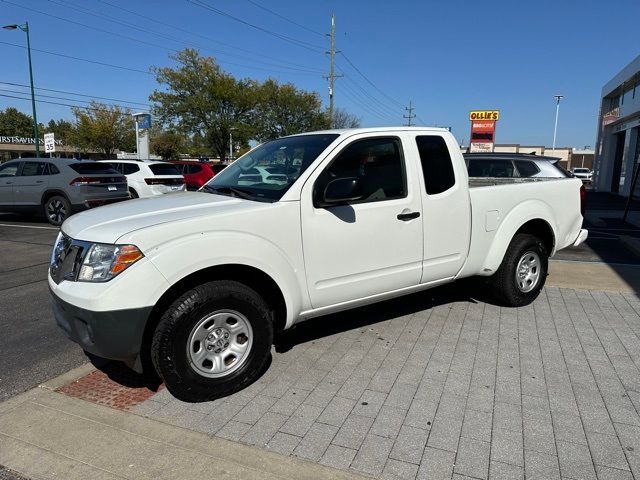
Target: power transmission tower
411, 115
332, 58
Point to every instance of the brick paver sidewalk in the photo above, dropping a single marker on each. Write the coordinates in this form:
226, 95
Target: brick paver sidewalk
437, 386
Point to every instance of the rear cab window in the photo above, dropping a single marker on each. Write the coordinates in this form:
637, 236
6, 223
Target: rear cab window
164, 169
437, 168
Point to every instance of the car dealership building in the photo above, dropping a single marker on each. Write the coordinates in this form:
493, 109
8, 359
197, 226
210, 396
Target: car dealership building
618, 146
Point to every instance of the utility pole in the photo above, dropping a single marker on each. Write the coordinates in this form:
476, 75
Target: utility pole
410, 115
555, 129
332, 58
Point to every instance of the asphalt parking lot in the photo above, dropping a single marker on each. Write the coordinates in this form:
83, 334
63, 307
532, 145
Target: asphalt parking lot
33, 348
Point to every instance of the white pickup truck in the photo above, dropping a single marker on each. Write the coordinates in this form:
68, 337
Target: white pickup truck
195, 285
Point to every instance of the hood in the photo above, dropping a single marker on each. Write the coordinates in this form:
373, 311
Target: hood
108, 223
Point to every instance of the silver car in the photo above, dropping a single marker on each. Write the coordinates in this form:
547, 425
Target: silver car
513, 165
58, 187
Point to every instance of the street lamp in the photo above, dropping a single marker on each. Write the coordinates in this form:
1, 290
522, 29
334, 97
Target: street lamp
231, 143
555, 129
25, 29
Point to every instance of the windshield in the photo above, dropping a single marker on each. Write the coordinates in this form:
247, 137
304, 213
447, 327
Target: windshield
267, 172
580, 170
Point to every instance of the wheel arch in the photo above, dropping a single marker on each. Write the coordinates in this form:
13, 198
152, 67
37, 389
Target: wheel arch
535, 218
250, 276
52, 193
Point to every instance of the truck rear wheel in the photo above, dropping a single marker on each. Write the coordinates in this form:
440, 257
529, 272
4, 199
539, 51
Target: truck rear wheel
522, 273
212, 341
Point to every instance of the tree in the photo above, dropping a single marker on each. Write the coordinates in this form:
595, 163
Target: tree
204, 102
344, 119
167, 144
102, 128
285, 110
15, 123
63, 130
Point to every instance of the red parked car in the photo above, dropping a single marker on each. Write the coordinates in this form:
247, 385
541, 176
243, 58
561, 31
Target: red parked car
196, 174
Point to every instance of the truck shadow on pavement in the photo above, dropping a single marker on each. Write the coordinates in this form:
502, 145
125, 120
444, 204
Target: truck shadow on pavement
467, 290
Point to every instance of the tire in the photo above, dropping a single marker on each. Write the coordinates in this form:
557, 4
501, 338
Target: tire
515, 287
56, 209
180, 345
133, 193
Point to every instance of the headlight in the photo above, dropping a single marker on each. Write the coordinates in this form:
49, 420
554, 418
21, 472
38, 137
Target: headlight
103, 262
57, 248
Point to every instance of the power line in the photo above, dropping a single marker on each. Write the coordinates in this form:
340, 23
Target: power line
368, 97
76, 94
370, 82
286, 38
350, 95
366, 103
71, 57
204, 37
285, 18
144, 42
55, 97
83, 107
180, 41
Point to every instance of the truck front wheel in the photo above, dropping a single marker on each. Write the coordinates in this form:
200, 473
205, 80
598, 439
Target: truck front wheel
522, 273
212, 341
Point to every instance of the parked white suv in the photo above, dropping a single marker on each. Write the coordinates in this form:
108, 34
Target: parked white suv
149, 178
583, 174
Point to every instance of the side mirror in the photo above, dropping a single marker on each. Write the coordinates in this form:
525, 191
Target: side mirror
341, 191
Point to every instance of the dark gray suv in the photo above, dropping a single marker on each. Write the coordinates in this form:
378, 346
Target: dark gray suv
58, 187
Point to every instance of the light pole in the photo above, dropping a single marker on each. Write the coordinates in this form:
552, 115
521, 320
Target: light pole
231, 143
25, 29
555, 129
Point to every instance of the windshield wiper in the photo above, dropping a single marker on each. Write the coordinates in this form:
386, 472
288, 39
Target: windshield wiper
234, 191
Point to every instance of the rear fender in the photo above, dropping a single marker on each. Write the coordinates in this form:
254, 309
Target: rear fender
515, 219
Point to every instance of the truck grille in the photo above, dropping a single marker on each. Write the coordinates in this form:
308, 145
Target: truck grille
67, 258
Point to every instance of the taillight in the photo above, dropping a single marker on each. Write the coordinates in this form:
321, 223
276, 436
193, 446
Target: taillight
164, 181
583, 199
84, 181
79, 181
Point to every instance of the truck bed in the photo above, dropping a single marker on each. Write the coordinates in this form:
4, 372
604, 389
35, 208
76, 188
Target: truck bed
496, 202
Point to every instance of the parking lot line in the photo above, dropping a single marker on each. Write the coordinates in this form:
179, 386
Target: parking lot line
28, 226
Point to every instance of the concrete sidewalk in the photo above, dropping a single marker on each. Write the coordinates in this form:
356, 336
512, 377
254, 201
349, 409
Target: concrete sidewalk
594, 276
44, 434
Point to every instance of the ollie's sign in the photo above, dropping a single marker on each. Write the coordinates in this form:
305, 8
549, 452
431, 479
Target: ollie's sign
483, 129
484, 115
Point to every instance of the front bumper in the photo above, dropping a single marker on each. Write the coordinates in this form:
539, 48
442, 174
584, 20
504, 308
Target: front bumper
115, 335
582, 236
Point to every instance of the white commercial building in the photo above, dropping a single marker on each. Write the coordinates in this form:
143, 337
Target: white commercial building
618, 146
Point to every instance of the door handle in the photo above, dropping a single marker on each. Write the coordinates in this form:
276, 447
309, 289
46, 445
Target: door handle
39, 181
406, 216
8, 183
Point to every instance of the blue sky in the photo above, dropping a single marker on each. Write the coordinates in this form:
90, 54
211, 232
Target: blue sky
447, 57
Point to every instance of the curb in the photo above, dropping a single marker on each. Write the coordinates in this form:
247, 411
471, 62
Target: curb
46, 434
